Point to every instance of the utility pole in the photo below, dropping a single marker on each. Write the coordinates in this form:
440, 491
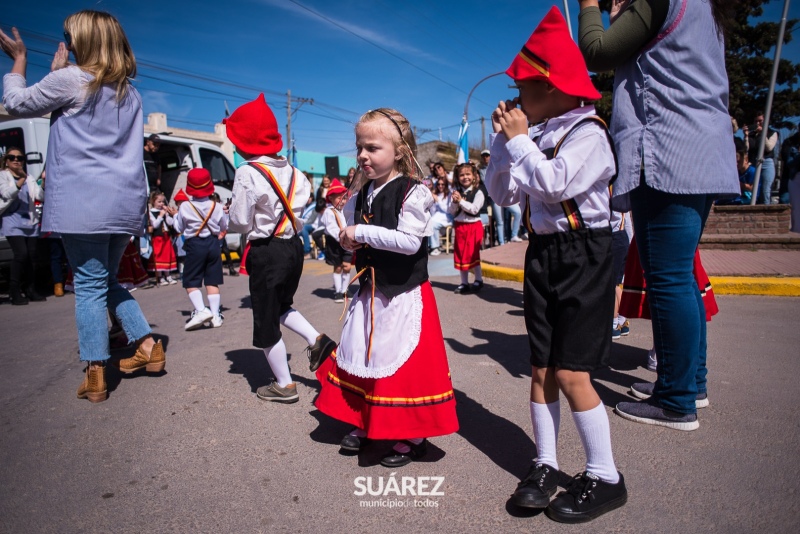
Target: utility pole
483, 134
288, 117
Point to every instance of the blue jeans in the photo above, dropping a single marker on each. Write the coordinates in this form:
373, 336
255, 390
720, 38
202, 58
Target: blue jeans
515, 218
668, 229
767, 177
499, 216
305, 234
95, 261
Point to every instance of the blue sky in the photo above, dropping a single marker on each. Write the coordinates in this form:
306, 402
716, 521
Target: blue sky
348, 56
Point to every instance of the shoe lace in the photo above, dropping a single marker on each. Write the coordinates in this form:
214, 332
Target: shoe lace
536, 475
581, 487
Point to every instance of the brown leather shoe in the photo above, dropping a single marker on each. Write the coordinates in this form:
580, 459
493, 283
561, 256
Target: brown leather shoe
58, 290
153, 364
94, 384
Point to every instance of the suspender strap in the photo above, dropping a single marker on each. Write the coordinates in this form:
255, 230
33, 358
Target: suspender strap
287, 217
206, 218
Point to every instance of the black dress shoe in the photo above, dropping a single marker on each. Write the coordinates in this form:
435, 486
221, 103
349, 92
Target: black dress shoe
17, 299
462, 289
33, 296
537, 488
352, 443
587, 498
477, 285
399, 459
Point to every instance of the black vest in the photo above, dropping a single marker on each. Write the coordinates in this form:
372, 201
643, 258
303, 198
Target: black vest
158, 230
394, 273
469, 196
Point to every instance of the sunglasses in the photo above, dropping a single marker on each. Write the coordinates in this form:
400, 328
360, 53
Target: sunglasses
14, 157
68, 38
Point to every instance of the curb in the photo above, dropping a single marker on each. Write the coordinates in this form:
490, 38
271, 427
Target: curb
722, 285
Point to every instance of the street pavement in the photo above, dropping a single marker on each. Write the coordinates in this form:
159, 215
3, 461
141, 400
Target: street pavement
194, 450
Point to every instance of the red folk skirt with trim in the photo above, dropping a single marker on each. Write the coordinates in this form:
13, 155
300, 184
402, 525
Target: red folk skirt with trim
634, 303
163, 257
131, 271
467, 245
417, 401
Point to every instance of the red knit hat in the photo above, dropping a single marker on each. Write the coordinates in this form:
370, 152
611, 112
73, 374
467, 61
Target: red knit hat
180, 196
252, 128
198, 183
551, 55
336, 188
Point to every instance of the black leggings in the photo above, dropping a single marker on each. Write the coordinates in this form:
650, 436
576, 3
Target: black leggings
24, 250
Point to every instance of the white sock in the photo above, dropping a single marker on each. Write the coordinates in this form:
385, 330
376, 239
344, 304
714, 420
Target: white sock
213, 303
337, 283
278, 362
402, 448
197, 300
345, 281
596, 438
465, 277
621, 320
546, 419
478, 274
294, 321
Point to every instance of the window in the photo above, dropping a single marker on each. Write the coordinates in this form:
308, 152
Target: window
222, 172
12, 137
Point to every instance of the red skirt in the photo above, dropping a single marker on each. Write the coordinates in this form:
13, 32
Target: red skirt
243, 262
467, 248
634, 304
417, 401
131, 271
163, 257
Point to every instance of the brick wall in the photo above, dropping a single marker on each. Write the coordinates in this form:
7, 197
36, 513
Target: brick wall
733, 220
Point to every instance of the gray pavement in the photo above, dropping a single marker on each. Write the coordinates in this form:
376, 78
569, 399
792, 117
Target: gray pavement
195, 451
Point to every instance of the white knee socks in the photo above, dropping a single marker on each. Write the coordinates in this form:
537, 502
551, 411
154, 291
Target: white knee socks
546, 419
337, 282
294, 321
213, 303
478, 273
345, 281
197, 300
596, 438
278, 362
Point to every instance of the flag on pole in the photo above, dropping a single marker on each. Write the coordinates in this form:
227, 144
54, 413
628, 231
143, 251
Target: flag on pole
294, 154
462, 156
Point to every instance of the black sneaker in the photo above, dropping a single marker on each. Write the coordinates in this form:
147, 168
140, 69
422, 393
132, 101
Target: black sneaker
338, 297
650, 414
462, 289
644, 390
537, 488
586, 498
321, 349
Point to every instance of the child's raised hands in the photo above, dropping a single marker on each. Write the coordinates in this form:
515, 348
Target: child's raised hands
513, 123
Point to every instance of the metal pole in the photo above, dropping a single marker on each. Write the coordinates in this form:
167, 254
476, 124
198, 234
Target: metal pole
288, 119
466, 106
768, 110
483, 134
566, 14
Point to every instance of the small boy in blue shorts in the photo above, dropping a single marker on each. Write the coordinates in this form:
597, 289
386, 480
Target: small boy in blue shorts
561, 176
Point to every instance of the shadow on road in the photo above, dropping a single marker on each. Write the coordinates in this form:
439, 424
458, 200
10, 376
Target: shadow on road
252, 365
114, 376
509, 350
327, 293
489, 293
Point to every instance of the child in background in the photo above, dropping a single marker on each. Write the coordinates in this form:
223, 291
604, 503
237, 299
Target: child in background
389, 378
563, 180
224, 244
333, 222
163, 259
465, 207
178, 241
268, 198
440, 216
201, 220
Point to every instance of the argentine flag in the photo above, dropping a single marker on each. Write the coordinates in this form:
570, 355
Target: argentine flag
463, 147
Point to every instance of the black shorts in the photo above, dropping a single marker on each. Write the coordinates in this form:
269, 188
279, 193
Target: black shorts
203, 264
334, 253
619, 249
274, 266
568, 297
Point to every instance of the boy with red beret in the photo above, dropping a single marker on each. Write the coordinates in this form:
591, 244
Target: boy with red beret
560, 170
268, 198
201, 220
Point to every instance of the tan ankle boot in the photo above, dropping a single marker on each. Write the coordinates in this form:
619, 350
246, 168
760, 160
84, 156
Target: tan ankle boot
155, 363
94, 384
58, 290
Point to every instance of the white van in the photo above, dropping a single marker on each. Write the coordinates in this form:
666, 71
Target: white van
176, 155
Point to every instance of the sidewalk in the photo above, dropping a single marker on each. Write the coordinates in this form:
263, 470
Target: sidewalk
732, 272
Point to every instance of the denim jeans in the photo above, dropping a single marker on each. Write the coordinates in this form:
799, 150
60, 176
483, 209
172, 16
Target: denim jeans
435, 237
668, 229
305, 234
94, 259
767, 177
514, 219
499, 221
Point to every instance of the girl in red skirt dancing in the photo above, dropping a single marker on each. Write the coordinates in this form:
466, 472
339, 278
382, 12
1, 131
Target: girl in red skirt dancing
389, 378
465, 207
163, 260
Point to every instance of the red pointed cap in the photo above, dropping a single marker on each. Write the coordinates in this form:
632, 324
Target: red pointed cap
336, 188
180, 196
252, 128
551, 55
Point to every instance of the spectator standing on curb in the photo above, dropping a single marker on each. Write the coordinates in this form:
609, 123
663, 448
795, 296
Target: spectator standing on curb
152, 164
94, 148
752, 138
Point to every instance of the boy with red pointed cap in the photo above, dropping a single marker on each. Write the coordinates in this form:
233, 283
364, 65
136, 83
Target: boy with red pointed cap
561, 170
333, 222
268, 198
200, 221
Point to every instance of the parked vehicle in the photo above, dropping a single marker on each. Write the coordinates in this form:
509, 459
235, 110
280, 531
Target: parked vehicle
176, 155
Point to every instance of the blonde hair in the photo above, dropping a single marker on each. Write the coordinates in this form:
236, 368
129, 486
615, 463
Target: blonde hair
401, 135
101, 49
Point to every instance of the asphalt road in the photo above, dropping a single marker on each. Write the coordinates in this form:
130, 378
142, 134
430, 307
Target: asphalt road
194, 450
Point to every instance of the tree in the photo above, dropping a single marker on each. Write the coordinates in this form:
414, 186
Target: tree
749, 57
